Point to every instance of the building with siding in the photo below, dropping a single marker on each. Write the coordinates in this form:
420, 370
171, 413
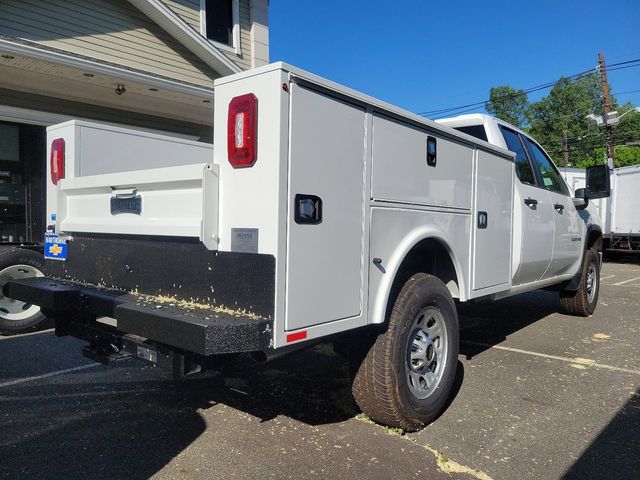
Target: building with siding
144, 63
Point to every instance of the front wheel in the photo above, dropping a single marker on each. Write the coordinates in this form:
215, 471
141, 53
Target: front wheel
583, 301
17, 263
406, 377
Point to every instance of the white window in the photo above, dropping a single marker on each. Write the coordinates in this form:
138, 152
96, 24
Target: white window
220, 23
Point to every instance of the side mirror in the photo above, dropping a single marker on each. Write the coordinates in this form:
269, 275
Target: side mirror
581, 199
598, 181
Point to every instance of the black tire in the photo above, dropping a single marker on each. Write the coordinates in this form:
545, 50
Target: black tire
12, 257
584, 300
382, 387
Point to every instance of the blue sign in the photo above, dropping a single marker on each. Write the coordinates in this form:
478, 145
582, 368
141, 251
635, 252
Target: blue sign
55, 248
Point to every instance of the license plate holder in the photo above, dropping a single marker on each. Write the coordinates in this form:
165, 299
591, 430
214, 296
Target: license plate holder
129, 204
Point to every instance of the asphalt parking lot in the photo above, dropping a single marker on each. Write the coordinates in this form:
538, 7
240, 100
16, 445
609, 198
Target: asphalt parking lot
539, 395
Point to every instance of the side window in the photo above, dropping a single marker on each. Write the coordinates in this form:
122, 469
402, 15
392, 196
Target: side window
523, 167
550, 176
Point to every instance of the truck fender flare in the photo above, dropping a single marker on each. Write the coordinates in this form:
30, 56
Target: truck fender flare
574, 283
392, 267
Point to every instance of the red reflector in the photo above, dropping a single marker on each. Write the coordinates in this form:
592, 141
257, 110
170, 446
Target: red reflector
242, 129
57, 160
294, 337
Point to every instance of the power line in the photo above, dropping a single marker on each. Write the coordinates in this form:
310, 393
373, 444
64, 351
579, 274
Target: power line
624, 93
624, 67
535, 88
438, 113
624, 63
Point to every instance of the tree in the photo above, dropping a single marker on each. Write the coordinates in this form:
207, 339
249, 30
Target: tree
566, 107
625, 156
508, 104
628, 130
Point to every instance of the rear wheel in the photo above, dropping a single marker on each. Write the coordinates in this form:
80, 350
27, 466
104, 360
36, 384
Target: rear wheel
583, 301
17, 263
406, 377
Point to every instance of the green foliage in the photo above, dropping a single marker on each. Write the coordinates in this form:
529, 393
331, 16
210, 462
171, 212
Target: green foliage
625, 156
629, 127
566, 107
508, 104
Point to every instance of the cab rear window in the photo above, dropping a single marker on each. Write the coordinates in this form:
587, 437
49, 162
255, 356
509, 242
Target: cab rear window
477, 131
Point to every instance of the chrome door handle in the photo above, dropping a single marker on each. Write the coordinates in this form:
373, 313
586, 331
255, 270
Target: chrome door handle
559, 207
530, 202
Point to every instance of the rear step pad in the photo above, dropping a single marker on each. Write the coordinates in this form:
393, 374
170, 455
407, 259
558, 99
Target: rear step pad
198, 330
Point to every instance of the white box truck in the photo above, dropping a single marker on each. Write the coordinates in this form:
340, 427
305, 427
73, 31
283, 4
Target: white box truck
324, 215
622, 221
619, 212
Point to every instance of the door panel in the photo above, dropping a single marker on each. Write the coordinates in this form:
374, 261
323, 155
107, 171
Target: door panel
567, 238
493, 217
536, 230
325, 246
533, 216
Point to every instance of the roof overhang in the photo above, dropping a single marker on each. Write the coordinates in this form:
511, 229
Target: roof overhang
39, 53
187, 36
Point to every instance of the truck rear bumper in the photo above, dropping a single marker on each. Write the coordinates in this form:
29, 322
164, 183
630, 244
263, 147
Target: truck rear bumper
189, 327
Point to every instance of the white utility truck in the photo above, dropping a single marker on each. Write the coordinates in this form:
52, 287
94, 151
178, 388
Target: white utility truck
324, 215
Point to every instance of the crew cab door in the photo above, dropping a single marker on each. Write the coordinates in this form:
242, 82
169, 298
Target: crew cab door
567, 226
533, 217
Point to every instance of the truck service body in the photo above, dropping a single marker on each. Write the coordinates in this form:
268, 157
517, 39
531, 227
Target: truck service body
322, 214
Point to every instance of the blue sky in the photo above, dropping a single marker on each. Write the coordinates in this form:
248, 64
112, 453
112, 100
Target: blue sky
426, 55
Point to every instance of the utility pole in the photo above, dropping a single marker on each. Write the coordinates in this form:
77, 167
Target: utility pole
565, 147
602, 67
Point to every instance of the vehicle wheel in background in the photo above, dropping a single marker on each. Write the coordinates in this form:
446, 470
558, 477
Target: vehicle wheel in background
18, 263
406, 377
583, 301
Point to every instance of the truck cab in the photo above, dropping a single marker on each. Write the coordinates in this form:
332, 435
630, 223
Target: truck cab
550, 231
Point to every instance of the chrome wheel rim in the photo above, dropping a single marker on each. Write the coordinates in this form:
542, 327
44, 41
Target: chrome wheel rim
426, 358
592, 282
11, 309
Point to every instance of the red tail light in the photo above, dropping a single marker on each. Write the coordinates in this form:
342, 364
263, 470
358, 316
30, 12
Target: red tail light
242, 131
57, 160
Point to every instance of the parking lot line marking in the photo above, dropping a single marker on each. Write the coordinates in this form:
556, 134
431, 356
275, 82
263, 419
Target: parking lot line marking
626, 281
579, 361
606, 277
11, 337
47, 375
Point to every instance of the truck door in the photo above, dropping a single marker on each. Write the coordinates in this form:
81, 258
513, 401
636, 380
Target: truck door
533, 213
326, 209
567, 237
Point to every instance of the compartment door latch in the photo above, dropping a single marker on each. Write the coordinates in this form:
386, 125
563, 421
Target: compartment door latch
308, 209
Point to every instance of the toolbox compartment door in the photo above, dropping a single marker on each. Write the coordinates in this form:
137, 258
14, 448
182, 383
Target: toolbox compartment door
492, 220
326, 172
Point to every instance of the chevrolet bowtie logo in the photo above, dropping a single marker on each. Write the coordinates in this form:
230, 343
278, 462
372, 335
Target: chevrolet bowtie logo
55, 250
